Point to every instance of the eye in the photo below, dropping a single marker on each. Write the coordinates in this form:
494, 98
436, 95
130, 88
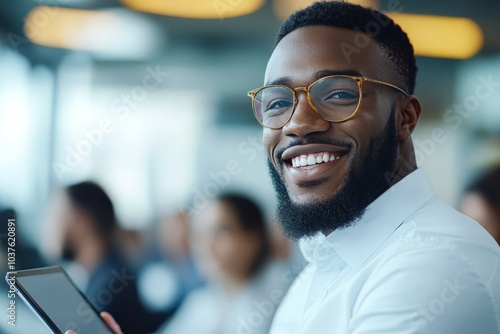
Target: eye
342, 95
278, 104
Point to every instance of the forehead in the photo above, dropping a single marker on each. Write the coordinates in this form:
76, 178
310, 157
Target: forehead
303, 54
215, 214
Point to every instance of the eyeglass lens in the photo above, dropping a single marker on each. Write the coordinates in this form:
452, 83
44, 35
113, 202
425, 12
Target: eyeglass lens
334, 98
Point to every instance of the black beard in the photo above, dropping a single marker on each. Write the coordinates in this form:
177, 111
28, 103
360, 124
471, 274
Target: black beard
365, 182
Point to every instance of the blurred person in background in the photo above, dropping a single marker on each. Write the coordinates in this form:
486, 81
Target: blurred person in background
167, 273
231, 248
84, 233
481, 202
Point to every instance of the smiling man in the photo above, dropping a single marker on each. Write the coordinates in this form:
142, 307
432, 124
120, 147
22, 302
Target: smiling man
385, 254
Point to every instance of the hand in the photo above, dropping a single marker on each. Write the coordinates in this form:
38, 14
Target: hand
109, 320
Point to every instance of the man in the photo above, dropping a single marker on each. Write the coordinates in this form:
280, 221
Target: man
385, 254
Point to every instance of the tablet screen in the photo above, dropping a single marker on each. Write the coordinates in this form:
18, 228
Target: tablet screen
60, 300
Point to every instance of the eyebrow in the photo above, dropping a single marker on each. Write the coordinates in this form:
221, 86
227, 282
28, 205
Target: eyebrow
286, 81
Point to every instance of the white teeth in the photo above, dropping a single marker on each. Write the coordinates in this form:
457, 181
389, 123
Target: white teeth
312, 159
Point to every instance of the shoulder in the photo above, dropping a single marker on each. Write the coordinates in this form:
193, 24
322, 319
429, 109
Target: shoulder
436, 241
443, 273
439, 243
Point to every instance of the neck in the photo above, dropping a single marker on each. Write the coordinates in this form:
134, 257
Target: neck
235, 283
405, 165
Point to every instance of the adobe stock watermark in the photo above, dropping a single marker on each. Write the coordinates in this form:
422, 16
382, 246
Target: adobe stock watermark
121, 107
85, 314
453, 119
362, 38
221, 7
221, 179
428, 314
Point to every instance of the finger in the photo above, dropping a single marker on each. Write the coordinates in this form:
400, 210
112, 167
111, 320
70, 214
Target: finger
70, 332
108, 318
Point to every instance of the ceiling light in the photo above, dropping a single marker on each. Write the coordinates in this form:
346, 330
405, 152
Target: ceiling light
108, 34
196, 9
441, 36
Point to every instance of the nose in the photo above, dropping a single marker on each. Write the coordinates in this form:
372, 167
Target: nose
305, 120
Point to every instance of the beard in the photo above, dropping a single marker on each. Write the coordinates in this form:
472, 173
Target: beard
365, 182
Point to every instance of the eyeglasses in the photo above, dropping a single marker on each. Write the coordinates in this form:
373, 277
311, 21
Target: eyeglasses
334, 98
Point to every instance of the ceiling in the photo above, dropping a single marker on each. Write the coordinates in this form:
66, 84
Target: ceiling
223, 50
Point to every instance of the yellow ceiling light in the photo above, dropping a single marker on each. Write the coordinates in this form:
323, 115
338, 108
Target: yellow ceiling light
107, 34
285, 8
441, 36
196, 9
62, 27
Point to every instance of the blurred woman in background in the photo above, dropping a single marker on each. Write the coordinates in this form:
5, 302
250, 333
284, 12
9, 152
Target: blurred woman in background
231, 248
481, 202
83, 235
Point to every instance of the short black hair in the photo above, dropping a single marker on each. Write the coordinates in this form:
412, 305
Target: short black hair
388, 35
250, 218
91, 198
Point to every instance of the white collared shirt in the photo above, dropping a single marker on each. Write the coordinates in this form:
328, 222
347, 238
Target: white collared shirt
412, 264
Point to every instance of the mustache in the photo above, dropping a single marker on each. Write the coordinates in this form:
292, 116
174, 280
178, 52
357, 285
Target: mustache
312, 140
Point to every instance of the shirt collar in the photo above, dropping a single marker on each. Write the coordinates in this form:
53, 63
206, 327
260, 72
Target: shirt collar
356, 243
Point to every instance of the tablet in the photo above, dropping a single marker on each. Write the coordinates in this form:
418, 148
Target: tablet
52, 295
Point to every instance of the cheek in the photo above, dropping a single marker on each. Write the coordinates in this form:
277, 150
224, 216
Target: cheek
369, 123
270, 139
70, 229
376, 109
230, 252
223, 248
203, 257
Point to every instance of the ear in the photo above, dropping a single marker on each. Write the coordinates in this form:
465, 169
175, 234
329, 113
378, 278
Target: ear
408, 113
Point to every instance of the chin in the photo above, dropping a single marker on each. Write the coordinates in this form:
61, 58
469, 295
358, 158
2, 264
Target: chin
318, 191
309, 196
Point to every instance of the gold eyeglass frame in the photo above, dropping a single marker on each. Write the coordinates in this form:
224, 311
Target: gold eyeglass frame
359, 80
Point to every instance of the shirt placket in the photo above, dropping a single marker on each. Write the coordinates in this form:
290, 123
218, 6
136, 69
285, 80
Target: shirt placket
328, 265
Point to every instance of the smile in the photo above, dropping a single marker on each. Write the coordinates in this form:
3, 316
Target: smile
312, 154
314, 162
305, 160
